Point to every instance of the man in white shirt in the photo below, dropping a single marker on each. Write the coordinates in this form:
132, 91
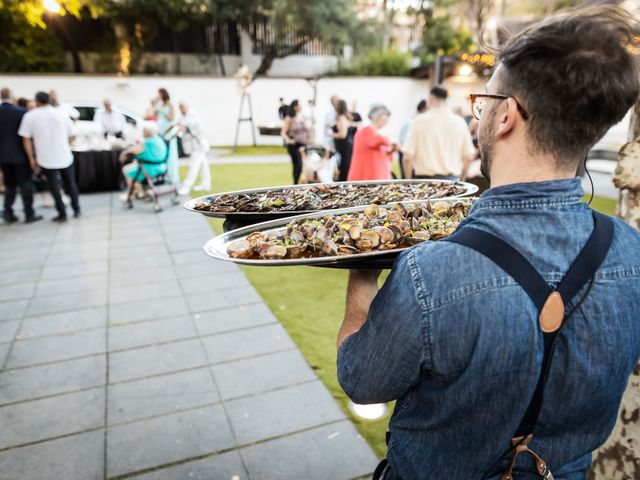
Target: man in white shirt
438, 144
110, 119
68, 110
191, 128
46, 133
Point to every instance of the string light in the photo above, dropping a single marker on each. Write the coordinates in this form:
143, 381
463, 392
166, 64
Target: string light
51, 6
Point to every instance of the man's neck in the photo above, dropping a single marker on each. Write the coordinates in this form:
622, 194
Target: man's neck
528, 169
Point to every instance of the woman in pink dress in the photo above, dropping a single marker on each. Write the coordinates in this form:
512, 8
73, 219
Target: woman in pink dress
371, 157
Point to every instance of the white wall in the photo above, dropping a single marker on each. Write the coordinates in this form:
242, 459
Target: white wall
217, 100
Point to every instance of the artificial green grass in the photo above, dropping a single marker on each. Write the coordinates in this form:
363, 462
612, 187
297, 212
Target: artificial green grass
243, 150
308, 301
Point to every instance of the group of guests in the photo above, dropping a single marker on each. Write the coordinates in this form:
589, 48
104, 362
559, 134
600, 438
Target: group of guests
35, 148
436, 142
35, 138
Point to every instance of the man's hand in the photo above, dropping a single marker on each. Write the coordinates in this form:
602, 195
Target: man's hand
361, 290
28, 148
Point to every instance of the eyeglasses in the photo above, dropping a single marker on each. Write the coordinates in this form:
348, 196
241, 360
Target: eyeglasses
479, 102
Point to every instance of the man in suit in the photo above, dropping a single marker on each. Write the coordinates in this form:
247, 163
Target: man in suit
16, 170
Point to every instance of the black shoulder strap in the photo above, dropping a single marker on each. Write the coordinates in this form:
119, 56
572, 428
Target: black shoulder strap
520, 269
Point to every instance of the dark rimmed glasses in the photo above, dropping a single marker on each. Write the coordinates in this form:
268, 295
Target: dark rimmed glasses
479, 102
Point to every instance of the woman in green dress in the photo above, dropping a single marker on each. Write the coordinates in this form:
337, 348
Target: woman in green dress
166, 113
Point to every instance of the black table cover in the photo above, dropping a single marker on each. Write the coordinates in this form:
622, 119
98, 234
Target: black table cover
98, 170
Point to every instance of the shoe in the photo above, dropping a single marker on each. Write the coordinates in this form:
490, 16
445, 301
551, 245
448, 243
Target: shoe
124, 197
201, 188
9, 218
76, 214
33, 218
59, 219
183, 191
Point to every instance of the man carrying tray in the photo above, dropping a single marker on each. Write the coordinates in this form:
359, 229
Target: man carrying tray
508, 346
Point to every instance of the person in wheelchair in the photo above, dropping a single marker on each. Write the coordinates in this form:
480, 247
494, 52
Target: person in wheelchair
152, 151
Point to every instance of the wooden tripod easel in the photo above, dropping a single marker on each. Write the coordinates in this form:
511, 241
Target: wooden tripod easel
245, 119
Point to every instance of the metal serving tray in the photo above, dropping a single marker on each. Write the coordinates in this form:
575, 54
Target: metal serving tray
217, 246
247, 218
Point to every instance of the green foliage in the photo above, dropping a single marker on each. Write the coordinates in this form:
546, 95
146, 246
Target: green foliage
440, 37
27, 48
388, 63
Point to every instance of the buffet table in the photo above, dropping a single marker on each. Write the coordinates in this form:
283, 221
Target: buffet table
98, 170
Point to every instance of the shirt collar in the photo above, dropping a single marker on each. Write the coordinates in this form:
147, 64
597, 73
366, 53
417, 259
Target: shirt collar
534, 194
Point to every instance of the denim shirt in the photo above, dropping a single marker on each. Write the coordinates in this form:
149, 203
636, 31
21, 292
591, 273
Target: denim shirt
456, 341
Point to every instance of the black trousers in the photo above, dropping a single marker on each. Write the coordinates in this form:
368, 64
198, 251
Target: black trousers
18, 176
296, 160
344, 148
68, 176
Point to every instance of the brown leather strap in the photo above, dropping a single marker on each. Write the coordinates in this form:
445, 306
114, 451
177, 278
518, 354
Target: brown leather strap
521, 444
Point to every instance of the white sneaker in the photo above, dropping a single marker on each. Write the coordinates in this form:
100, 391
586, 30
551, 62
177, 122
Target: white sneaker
184, 191
201, 188
124, 197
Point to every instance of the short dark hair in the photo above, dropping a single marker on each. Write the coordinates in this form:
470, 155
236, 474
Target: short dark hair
42, 98
439, 92
164, 95
22, 102
575, 75
5, 93
292, 108
422, 106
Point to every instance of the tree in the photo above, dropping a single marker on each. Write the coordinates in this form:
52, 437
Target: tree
439, 37
135, 22
32, 13
291, 24
617, 459
478, 12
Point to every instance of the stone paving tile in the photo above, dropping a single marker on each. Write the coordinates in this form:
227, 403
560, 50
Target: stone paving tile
18, 291
143, 362
11, 310
76, 257
282, 411
247, 343
59, 347
4, 349
22, 262
160, 395
142, 277
55, 378
236, 318
136, 251
78, 457
131, 264
69, 285
219, 467
145, 310
64, 322
213, 281
8, 330
66, 301
76, 270
151, 332
254, 375
118, 243
334, 451
150, 291
19, 276
40, 419
207, 266
67, 249
136, 446
199, 302
189, 256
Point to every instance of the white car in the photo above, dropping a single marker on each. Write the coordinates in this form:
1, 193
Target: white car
86, 127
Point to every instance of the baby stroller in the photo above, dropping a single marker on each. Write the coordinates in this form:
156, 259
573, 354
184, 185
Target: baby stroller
156, 186
319, 165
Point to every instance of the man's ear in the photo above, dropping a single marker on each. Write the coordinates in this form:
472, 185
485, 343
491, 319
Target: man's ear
506, 117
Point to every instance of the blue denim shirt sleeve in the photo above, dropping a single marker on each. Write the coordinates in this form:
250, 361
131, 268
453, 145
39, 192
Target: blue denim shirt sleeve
383, 360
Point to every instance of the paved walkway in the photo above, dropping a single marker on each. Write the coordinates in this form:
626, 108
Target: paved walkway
127, 353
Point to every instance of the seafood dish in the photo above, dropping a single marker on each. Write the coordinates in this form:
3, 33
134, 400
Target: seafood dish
295, 199
370, 230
